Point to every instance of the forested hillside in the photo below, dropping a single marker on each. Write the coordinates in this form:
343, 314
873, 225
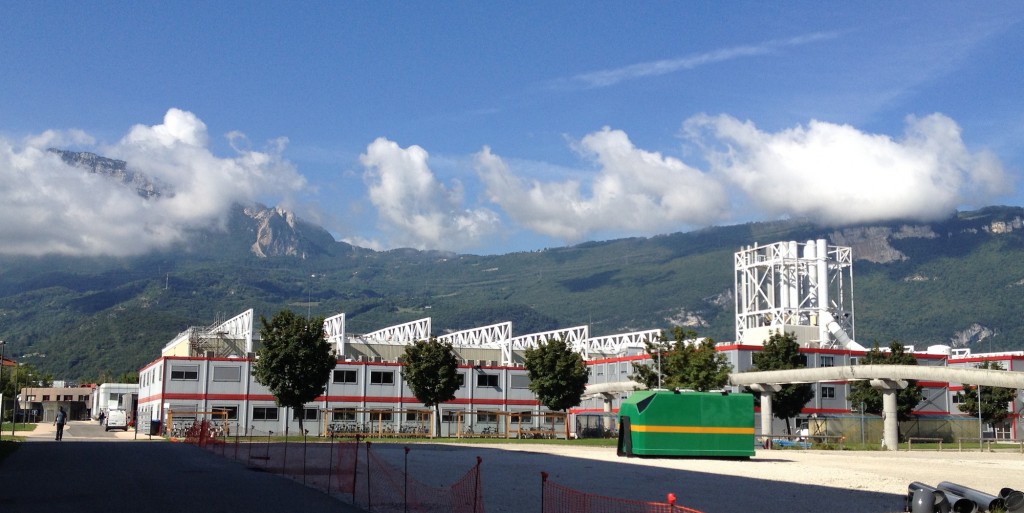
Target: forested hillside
959, 281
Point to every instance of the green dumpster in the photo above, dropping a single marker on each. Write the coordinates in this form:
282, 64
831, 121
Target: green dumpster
675, 423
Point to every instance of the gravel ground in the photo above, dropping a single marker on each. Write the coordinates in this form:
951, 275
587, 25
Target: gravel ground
779, 481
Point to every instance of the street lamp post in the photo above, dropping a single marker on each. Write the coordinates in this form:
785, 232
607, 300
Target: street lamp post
14, 414
3, 345
981, 427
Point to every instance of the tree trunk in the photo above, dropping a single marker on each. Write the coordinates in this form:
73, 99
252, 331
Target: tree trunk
436, 432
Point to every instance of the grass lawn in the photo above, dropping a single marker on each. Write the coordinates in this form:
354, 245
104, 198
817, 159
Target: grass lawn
6, 427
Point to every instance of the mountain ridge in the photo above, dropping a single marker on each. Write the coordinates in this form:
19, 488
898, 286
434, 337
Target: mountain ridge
954, 281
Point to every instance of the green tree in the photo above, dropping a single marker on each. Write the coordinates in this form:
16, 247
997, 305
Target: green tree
295, 360
23, 375
431, 371
995, 401
128, 377
558, 375
685, 363
782, 352
906, 399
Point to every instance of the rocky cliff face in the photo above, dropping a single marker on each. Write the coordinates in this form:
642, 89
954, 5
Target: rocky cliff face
872, 243
117, 170
971, 336
276, 233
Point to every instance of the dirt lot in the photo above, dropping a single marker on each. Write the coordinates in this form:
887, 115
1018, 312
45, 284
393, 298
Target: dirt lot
779, 481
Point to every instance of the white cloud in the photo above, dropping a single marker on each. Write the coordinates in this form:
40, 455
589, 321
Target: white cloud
414, 207
635, 191
837, 174
51, 207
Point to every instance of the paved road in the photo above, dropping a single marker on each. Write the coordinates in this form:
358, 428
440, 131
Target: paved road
95, 471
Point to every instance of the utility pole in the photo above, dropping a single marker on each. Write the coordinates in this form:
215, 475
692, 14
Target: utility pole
3, 345
981, 428
14, 416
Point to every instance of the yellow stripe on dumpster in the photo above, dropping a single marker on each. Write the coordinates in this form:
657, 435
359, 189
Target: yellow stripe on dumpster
694, 430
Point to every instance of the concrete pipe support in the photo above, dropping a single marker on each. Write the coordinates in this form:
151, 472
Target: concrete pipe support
890, 419
766, 391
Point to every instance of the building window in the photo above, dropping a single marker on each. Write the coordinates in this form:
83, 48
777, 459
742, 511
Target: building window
381, 416
46, 397
343, 415
828, 361
306, 414
83, 398
519, 381
231, 411
956, 398
461, 378
417, 416
68, 397
853, 360
31, 398
223, 373
486, 380
488, 417
382, 377
185, 372
448, 415
264, 413
524, 417
344, 376
828, 392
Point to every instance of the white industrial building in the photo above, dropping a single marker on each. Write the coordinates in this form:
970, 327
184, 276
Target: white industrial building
803, 288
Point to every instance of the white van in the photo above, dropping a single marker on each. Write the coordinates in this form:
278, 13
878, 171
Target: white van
117, 419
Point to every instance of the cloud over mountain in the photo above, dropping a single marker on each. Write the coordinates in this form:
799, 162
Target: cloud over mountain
840, 175
732, 172
632, 191
51, 207
413, 207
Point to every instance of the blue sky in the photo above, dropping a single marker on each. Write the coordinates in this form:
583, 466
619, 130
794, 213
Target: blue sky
487, 127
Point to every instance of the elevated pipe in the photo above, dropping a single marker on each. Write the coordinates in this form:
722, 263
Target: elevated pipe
985, 377
612, 387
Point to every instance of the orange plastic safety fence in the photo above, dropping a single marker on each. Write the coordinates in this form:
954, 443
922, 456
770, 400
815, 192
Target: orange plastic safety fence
359, 476
386, 488
562, 499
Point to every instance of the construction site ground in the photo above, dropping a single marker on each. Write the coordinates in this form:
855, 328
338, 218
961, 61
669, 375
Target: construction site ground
773, 481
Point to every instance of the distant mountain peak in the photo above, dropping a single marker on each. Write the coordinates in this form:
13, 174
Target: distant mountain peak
143, 185
276, 233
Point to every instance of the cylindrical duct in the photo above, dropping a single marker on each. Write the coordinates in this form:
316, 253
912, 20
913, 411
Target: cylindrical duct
1013, 500
955, 503
984, 500
794, 276
823, 294
922, 498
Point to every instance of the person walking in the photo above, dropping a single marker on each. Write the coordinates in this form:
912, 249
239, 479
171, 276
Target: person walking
59, 421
